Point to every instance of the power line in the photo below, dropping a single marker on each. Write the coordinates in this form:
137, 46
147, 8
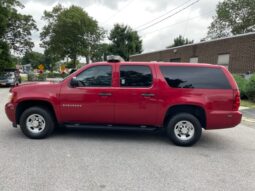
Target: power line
118, 12
170, 26
162, 15
183, 21
169, 16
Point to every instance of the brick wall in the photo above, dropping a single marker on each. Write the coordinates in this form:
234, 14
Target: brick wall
241, 49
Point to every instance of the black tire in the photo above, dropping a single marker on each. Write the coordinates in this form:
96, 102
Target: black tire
45, 114
183, 118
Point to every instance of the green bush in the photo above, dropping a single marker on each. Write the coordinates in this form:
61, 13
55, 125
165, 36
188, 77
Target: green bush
51, 75
24, 78
30, 77
39, 77
42, 77
250, 88
56, 75
241, 82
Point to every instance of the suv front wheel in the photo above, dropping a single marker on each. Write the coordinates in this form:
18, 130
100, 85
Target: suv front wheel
184, 129
37, 122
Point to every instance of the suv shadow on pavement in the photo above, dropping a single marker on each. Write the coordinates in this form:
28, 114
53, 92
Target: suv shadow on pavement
155, 137
83, 135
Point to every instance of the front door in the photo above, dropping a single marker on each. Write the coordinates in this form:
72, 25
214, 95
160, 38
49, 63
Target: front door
92, 102
136, 97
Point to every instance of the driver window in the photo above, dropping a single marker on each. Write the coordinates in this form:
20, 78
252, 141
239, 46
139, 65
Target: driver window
97, 76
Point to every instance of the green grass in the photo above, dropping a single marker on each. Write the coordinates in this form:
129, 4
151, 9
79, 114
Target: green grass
23, 78
247, 103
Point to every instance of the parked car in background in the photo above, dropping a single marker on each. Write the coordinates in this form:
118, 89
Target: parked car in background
10, 77
182, 98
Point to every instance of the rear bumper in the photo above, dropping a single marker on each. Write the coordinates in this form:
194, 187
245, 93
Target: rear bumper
223, 119
10, 112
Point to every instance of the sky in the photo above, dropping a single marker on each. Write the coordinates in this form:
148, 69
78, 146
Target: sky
191, 22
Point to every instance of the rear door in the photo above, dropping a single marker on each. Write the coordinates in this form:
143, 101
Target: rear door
136, 95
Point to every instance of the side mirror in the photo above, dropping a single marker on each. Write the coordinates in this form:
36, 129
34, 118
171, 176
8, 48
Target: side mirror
74, 82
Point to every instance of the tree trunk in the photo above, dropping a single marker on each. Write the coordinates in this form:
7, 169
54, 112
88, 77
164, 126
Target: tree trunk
74, 61
87, 59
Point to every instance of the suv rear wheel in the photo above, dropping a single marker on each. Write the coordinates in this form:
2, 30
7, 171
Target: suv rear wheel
37, 122
184, 129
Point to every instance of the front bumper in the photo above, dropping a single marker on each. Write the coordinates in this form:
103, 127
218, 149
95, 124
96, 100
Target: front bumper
10, 112
6, 83
3, 82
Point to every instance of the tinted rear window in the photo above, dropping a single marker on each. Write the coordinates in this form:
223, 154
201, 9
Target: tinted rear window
135, 76
195, 77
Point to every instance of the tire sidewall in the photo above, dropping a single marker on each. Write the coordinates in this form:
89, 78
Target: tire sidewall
49, 124
187, 117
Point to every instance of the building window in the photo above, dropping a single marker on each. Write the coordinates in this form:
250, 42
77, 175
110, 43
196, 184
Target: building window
193, 60
175, 60
223, 59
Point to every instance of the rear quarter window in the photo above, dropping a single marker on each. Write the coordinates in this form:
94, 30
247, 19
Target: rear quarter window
195, 77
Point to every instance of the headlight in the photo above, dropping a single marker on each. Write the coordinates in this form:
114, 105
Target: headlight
10, 96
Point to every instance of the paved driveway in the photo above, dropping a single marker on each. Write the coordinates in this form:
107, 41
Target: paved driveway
110, 160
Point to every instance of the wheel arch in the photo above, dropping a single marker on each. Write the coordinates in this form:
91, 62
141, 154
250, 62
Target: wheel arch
196, 110
25, 104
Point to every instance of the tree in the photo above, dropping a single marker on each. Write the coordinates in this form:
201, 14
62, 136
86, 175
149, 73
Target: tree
100, 52
5, 57
124, 41
33, 58
70, 32
232, 17
15, 31
16, 28
179, 41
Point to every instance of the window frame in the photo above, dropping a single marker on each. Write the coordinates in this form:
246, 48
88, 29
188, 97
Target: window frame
223, 54
194, 57
178, 88
112, 76
142, 87
176, 59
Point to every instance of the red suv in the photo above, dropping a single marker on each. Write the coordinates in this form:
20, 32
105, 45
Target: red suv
182, 98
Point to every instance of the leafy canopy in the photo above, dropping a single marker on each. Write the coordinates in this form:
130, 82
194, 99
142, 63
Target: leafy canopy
15, 32
69, 32
179, 41
124, 41
15, 28
33, 58
232, 17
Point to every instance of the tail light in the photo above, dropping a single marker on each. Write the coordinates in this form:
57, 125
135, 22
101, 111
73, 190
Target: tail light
236, 102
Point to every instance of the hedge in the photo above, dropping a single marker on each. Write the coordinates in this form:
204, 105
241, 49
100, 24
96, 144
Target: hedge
242, 83
250, 88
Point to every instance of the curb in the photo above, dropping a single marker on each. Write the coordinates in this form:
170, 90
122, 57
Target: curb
248, 120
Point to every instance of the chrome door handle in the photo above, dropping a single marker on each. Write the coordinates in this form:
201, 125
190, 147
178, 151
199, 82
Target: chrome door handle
148, 95
105, 94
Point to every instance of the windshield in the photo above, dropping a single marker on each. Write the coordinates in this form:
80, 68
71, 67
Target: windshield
4, 75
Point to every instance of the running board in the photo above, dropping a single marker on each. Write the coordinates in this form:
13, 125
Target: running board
112, 127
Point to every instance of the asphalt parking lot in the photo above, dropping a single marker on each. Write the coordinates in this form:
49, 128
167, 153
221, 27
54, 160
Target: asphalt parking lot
79, 159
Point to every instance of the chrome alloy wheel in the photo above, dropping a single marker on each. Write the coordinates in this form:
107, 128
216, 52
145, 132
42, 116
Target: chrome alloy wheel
35, 123
184, 130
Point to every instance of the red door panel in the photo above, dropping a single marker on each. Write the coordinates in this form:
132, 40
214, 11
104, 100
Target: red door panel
136, 105
88, 104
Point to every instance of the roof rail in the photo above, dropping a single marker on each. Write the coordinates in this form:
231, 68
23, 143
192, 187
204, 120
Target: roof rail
114, 58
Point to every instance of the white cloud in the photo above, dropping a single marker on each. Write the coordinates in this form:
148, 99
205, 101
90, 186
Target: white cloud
191, 23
